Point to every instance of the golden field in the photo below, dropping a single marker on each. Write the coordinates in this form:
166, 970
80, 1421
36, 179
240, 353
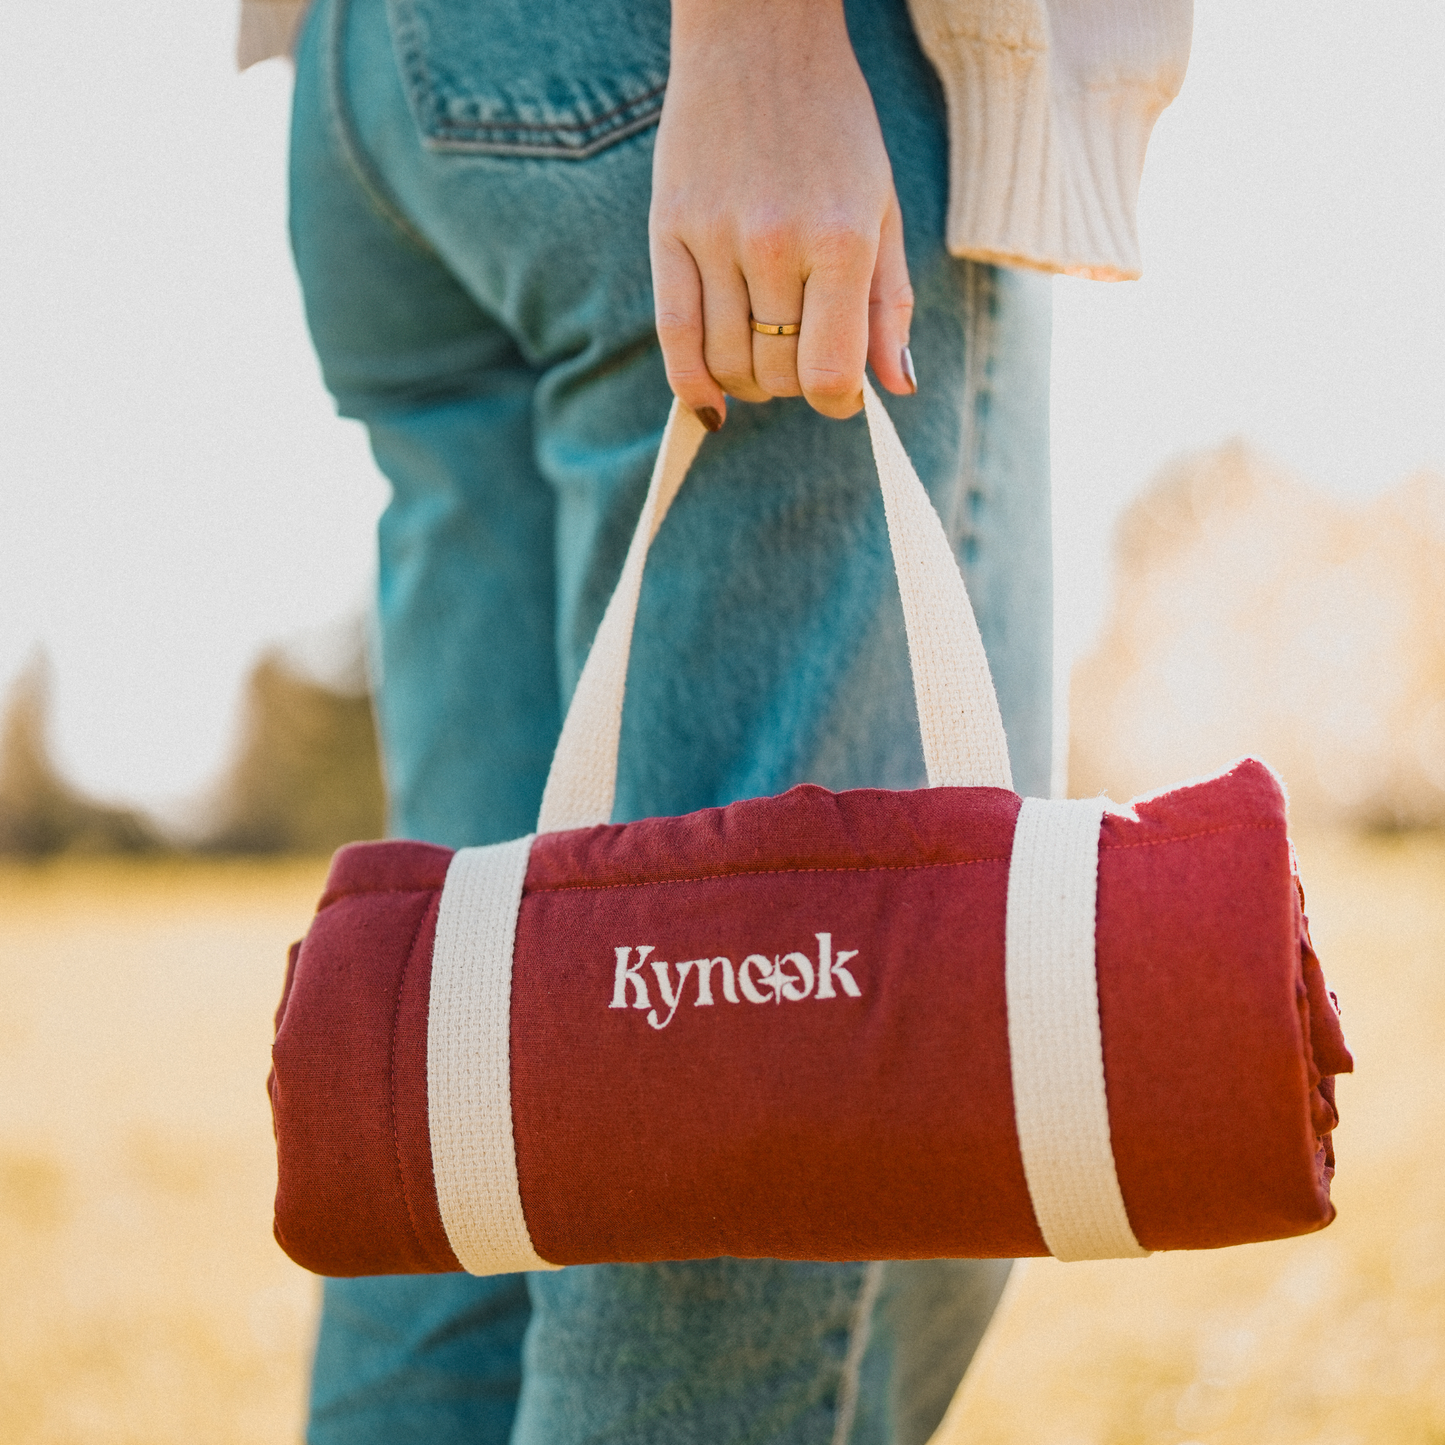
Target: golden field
142, 1300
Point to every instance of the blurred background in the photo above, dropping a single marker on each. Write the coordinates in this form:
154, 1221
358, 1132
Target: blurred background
1249, 467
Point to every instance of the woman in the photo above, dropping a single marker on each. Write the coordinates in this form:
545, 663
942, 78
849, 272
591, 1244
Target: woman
518, 228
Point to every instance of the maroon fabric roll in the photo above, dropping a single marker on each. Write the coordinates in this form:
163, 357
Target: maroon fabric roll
855, 1100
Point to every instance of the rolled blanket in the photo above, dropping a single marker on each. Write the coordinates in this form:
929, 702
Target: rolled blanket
835, 1026
781, 1029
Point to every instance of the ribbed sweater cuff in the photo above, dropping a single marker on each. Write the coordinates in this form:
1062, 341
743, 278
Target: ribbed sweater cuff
1043, 173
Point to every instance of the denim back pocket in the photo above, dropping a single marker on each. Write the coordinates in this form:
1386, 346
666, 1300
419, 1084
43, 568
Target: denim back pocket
557, 78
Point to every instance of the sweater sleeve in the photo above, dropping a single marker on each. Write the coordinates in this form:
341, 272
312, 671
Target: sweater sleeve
267, 28
1050, 108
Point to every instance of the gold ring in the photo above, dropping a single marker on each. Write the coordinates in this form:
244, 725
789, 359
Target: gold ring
776, 328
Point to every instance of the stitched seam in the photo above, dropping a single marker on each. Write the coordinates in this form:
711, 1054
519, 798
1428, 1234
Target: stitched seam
377, 892
1186, 837
349, 143
411, 59
453, 143
759, 873
391, 1074
859, 1330
774, 872
577, 125
697, 878
875, 867
980, 341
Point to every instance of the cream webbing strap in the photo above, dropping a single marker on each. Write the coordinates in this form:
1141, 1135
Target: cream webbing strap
469, 1061
583, 777
958, 714
1056, 1049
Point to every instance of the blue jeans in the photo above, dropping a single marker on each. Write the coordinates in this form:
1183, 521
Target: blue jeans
469, 212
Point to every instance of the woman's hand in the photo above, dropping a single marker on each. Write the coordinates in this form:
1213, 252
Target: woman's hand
772, 196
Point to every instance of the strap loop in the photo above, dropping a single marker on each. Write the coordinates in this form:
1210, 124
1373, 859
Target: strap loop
1056, 1050
958, 714
469, 1061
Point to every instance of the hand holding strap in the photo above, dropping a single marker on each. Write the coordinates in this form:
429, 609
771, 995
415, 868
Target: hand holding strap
958, 714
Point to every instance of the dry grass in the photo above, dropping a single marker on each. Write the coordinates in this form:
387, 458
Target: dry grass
141, 1299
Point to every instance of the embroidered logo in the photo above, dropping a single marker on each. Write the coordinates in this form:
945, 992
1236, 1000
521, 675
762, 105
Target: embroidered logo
758, 978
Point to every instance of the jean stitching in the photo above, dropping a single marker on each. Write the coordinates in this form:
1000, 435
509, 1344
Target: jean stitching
440, 132
349, 143
983, 330
561, 125
979, 340
412, 58
536, 150
858, 1332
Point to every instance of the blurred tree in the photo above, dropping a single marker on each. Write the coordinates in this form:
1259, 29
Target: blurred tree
40, 813
1256, 614
306, 778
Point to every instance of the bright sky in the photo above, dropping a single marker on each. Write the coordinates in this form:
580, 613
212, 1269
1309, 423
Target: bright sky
175, 491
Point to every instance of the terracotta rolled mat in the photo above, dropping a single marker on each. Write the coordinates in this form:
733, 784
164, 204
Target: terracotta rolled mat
781, 1029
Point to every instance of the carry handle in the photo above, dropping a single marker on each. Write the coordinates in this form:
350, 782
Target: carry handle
958, 714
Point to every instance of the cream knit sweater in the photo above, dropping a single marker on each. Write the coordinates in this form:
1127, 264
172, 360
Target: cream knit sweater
1050, 108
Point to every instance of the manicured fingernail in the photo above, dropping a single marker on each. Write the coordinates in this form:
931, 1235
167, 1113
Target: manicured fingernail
708, 416
905, 360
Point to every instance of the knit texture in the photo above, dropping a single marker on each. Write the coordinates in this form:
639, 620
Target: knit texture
469, 1087
1056, 1052
1051, 104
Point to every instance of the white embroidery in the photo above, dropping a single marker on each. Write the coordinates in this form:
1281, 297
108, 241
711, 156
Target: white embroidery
630, 973
704, 967
830, 968
753, 992
670, 998
762, 978
797, 988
